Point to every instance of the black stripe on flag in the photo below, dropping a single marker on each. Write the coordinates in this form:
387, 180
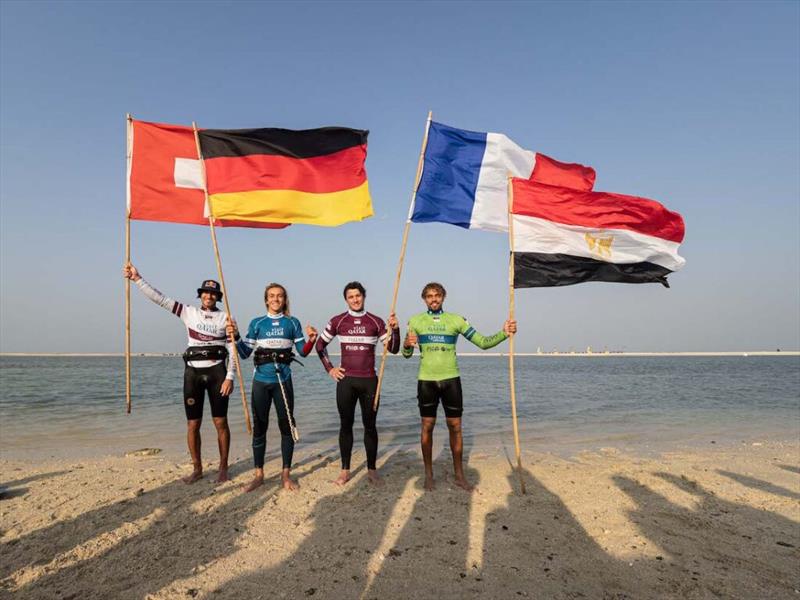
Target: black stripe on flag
533, 269
305, 143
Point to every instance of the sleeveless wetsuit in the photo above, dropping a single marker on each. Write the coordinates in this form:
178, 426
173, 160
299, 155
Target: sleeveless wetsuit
274, 332
439, 379
359, 333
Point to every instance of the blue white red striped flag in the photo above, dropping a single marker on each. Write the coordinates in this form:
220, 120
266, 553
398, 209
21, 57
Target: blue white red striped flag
465, 177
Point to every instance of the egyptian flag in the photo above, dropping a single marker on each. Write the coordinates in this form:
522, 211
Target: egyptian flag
564, 236
313, 176
165, 180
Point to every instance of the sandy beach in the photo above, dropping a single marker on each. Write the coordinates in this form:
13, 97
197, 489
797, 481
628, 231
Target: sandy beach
705, 523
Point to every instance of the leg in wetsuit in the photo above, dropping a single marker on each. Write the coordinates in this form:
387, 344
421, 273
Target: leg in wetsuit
349, 391
262, 396
429, 393
196, 384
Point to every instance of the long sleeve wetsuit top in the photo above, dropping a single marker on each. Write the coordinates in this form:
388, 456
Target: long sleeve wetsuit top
359, 332
437, 333
273, 332
203, 327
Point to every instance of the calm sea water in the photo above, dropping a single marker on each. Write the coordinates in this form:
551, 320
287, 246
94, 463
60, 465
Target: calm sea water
74, 406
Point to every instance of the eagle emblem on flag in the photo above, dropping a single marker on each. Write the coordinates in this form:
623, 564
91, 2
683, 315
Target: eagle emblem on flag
599, 245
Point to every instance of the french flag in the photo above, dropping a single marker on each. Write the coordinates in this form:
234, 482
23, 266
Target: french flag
465, 177
563, 236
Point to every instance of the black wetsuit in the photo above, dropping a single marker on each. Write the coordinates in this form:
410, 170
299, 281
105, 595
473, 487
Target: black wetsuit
263, 395
359, 333
429, 393
349, 392
209, 380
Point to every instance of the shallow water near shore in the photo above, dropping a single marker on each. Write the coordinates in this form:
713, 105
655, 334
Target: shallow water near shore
74, 406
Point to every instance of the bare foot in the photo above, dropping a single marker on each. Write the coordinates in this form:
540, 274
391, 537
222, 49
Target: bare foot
343, 478
289, 484
429, 486
255, 484
463, 484
223, 475
374, 478
196, 475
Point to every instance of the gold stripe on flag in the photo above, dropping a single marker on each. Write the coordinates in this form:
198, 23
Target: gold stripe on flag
292, 206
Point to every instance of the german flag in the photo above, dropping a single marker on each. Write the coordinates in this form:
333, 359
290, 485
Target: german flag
313, 176
165, 181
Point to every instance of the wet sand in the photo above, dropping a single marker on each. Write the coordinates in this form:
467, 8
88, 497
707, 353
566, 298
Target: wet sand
704, 523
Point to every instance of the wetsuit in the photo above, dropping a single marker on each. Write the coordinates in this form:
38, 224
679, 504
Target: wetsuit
204, 328
359, 333
279, 333
439, 379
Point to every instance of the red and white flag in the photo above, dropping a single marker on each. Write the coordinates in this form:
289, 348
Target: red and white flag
564, 236
165, 180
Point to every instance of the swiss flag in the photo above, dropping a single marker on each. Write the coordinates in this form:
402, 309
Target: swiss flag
165, 179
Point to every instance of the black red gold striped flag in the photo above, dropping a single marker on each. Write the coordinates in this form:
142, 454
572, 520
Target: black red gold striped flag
312, 176
165, 181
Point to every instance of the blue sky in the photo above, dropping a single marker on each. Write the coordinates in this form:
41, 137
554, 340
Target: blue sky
692, 104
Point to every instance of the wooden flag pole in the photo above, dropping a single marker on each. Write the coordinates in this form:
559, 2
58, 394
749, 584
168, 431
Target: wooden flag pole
129, 125
511, 378
402, 259
221, 278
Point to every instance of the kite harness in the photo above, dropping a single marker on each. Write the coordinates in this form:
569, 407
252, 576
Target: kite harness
263, 356
205, 353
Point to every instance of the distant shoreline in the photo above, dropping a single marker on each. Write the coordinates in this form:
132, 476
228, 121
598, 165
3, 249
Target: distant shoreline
470, 354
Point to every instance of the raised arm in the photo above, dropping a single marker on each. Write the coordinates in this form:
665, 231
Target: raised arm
175, 307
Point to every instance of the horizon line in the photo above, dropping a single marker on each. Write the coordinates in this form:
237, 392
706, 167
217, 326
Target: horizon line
609, 353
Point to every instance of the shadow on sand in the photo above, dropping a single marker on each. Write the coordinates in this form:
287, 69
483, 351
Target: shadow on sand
405, 543
548, 553
32, 478
162, 535
760, 484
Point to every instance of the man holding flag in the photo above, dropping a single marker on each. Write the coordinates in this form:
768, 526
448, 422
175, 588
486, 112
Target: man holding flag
436, 333
561, 231
205, 372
